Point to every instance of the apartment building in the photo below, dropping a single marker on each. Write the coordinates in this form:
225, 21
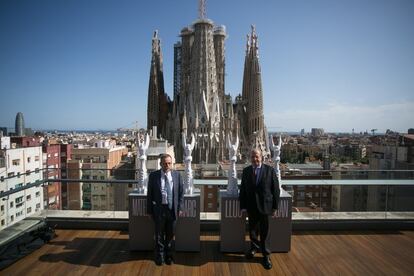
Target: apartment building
96, 163
51, 164
20, 167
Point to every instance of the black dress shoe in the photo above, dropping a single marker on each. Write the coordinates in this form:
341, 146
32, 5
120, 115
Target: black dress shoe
159, 261
169, 260
267, 263
250, 253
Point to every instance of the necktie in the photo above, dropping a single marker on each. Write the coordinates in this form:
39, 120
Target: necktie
256, 174
169, 191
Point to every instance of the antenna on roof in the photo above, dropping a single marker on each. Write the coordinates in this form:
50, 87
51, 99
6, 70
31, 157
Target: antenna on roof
202, 9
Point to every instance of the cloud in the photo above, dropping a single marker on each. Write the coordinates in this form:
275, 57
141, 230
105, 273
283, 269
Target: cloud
337, 117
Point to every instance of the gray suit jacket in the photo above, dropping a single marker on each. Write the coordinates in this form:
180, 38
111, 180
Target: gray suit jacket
154, 197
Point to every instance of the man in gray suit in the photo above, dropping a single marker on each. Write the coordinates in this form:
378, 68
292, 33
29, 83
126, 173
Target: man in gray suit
259, 196
165, 202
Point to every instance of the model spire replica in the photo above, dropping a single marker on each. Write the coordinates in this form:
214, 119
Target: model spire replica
201, 105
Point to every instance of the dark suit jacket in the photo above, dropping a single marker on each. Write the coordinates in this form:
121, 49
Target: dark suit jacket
154, 197
264, 196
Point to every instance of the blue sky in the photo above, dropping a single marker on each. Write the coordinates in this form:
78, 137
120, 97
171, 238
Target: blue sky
84, 64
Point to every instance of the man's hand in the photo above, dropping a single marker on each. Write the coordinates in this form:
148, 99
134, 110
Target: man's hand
180, 213
274, 213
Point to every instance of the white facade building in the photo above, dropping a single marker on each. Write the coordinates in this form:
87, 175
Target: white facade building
21, 166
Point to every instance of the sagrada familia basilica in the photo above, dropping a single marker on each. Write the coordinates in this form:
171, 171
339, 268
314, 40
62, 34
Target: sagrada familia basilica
200, 106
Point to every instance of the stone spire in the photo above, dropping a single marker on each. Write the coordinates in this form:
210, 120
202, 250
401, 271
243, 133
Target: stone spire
252, 94
157, 110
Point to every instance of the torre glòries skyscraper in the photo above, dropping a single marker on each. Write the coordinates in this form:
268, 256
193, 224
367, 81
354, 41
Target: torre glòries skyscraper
200, 105
19, 124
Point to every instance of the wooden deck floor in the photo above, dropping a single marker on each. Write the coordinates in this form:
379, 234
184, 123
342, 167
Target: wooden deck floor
103, 252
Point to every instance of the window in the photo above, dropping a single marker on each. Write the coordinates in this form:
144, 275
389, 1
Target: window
28, 159
300, 204
37, 206
2, 222
29, 197
10, 174
95, 177
210, 205
37, 158
210, 195
18, 214
11, 218
16, 162
11, 204
2, 208
102, 177
29, 210
37, 194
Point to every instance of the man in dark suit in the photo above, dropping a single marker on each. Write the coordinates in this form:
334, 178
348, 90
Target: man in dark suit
164, 203
259, 196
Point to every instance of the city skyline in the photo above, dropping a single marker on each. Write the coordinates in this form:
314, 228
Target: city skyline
338, 66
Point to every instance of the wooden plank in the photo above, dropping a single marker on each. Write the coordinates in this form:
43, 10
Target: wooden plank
97, 252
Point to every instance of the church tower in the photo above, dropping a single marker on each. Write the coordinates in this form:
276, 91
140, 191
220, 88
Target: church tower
201, 105
255, 130
202, 86
157, 110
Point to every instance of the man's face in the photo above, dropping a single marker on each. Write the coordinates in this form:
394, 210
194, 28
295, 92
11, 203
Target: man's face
166, 164
256, 158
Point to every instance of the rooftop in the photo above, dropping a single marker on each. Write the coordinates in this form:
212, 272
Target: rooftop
312, 253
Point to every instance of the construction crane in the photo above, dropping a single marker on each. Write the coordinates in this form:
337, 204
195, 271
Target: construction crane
132, 126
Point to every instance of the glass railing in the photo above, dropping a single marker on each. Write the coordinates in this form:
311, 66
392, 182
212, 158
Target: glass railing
316, 194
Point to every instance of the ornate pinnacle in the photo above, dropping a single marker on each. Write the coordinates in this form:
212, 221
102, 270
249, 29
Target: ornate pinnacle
202, 9
253, 29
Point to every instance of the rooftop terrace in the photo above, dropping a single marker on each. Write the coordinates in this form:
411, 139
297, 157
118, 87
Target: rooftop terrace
95, 252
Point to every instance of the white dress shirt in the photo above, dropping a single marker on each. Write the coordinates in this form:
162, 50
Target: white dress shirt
170, 180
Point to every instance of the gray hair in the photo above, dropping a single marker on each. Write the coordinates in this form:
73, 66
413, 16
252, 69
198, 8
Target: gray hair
256, 150
164, 155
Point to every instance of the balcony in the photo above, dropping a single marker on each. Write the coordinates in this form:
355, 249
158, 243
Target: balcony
359, 237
